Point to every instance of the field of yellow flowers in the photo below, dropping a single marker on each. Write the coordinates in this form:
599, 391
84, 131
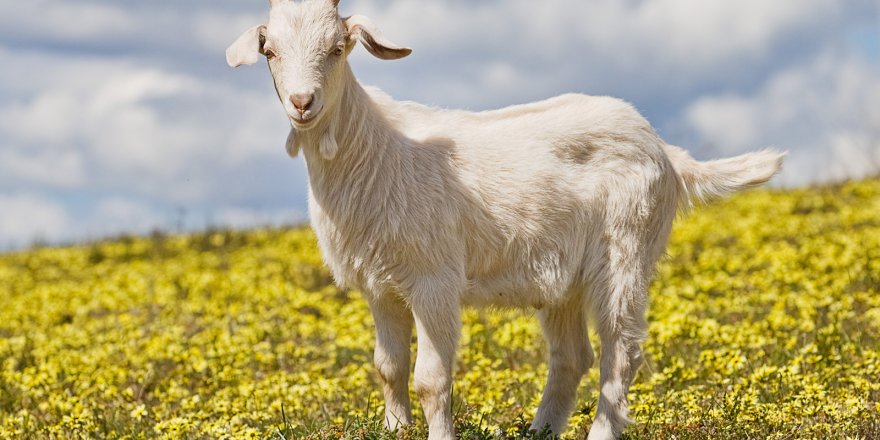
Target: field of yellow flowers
764, 323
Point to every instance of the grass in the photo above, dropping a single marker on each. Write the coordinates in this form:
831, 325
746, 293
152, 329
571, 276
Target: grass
764, 323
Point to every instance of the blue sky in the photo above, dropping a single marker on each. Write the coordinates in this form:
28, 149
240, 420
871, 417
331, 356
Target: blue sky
122, 116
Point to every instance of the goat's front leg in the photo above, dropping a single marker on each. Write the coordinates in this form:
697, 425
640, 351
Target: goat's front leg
394, 323
438, 324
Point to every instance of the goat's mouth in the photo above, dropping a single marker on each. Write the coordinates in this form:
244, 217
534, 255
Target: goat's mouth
304, 121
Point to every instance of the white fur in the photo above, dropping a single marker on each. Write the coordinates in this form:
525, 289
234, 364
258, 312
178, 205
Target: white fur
563, 205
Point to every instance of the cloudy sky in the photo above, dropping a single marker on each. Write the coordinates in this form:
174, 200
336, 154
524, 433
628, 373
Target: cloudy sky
122, 116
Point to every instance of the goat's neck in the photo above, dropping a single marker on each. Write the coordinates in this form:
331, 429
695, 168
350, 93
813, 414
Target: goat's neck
371, 159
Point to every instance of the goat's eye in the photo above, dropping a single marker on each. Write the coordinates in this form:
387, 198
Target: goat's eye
269, 53
338, 51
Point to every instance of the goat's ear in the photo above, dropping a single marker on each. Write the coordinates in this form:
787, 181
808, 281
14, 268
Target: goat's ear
247, 48
363, 30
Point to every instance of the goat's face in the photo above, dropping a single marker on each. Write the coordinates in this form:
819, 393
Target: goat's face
306, 44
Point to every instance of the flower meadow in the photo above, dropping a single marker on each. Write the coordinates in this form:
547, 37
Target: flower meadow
764, 323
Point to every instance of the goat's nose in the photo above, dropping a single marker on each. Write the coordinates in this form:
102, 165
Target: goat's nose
302, 101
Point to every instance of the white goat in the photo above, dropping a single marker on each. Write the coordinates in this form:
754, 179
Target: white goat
563, 205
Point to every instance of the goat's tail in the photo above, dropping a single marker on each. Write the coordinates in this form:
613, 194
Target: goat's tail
705, 181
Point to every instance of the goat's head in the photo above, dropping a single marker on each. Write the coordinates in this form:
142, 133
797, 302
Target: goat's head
306, 44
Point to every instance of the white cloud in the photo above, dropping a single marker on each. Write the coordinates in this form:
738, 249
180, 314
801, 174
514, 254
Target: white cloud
63, 20
665, 31
116, 215
729, 118
26, 217
705, 32
128, 25
655, 53
99, 123
237, 217
825, 112
215, 30
58, 169
129, 144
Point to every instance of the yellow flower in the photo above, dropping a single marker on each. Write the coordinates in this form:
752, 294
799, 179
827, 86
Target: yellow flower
138, 412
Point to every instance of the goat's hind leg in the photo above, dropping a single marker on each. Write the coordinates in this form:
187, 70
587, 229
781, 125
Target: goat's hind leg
565, 329
394, 323
621, 326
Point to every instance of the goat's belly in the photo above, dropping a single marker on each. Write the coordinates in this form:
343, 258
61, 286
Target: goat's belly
510, 291
545, 278
505, 299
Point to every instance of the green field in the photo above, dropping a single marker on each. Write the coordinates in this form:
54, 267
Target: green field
764, 323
